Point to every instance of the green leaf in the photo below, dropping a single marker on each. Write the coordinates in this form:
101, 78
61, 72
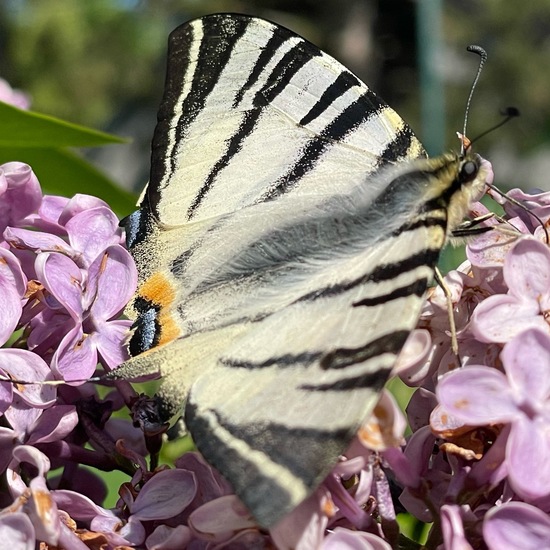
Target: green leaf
61, 172
39, 141
26, 129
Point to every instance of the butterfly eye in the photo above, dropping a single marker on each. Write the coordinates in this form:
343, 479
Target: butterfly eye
468, 171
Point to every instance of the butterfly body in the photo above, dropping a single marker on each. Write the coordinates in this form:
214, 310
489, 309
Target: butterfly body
284, 244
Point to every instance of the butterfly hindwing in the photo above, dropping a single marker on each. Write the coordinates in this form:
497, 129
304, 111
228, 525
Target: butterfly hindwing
284, 245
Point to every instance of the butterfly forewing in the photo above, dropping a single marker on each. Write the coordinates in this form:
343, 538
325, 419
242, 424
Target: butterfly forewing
285, 242
243, 95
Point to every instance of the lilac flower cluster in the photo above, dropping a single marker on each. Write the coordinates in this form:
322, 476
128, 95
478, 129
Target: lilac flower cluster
64, 280
477, 463
481, 421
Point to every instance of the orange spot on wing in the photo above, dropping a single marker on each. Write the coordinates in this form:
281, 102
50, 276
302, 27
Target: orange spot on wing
158, 290
169, 329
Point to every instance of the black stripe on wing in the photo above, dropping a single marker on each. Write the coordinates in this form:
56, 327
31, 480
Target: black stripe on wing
303, 359
291, 62
307, 454
214, 51
356, 113
344, 82
417, 288
372, 380
344, 357
278, 38
397, 148
384, 272
339, 358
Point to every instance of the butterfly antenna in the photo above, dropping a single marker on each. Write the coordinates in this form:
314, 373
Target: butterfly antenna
482, 58
509, 113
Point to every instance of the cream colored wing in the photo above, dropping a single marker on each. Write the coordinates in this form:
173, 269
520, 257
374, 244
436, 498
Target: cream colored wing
284, 246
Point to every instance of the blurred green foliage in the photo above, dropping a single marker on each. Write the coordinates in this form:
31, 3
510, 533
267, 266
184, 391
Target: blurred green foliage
517, 38
82, 60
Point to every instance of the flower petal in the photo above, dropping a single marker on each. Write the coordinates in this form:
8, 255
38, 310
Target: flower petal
17, 531
27, 366
413, 365
76, 356
63, 278
516, 525
22, 418
19, 99
54, 424
92, 231
345, 539
477, 395
453, 529
165, 495
22, 196
386, 425
113, 275
48, 329
501, 317
169, 538
109, 341
219, 519
489, 249
10, 269
211, 484
37, 241
304, 527
526, 360
48, 215
527, 269
11, 308
79, 203
528, 451
80, 506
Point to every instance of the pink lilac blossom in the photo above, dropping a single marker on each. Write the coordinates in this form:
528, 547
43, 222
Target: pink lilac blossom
516, 525
476, 463
480, 423
518, 397
526, 273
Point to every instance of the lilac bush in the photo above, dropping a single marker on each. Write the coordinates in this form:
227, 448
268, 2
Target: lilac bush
475, 463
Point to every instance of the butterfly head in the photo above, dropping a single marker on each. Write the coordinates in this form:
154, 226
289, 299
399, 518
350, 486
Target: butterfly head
458, 181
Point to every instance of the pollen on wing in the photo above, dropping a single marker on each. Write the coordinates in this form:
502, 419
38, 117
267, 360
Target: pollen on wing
158, 290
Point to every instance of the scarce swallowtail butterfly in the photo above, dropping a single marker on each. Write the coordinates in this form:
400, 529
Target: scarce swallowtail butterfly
284, 243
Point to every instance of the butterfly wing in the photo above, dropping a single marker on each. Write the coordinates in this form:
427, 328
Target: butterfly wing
283, 247
244, 95
288, 341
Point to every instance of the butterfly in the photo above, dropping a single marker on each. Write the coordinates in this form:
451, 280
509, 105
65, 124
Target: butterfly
284, 244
